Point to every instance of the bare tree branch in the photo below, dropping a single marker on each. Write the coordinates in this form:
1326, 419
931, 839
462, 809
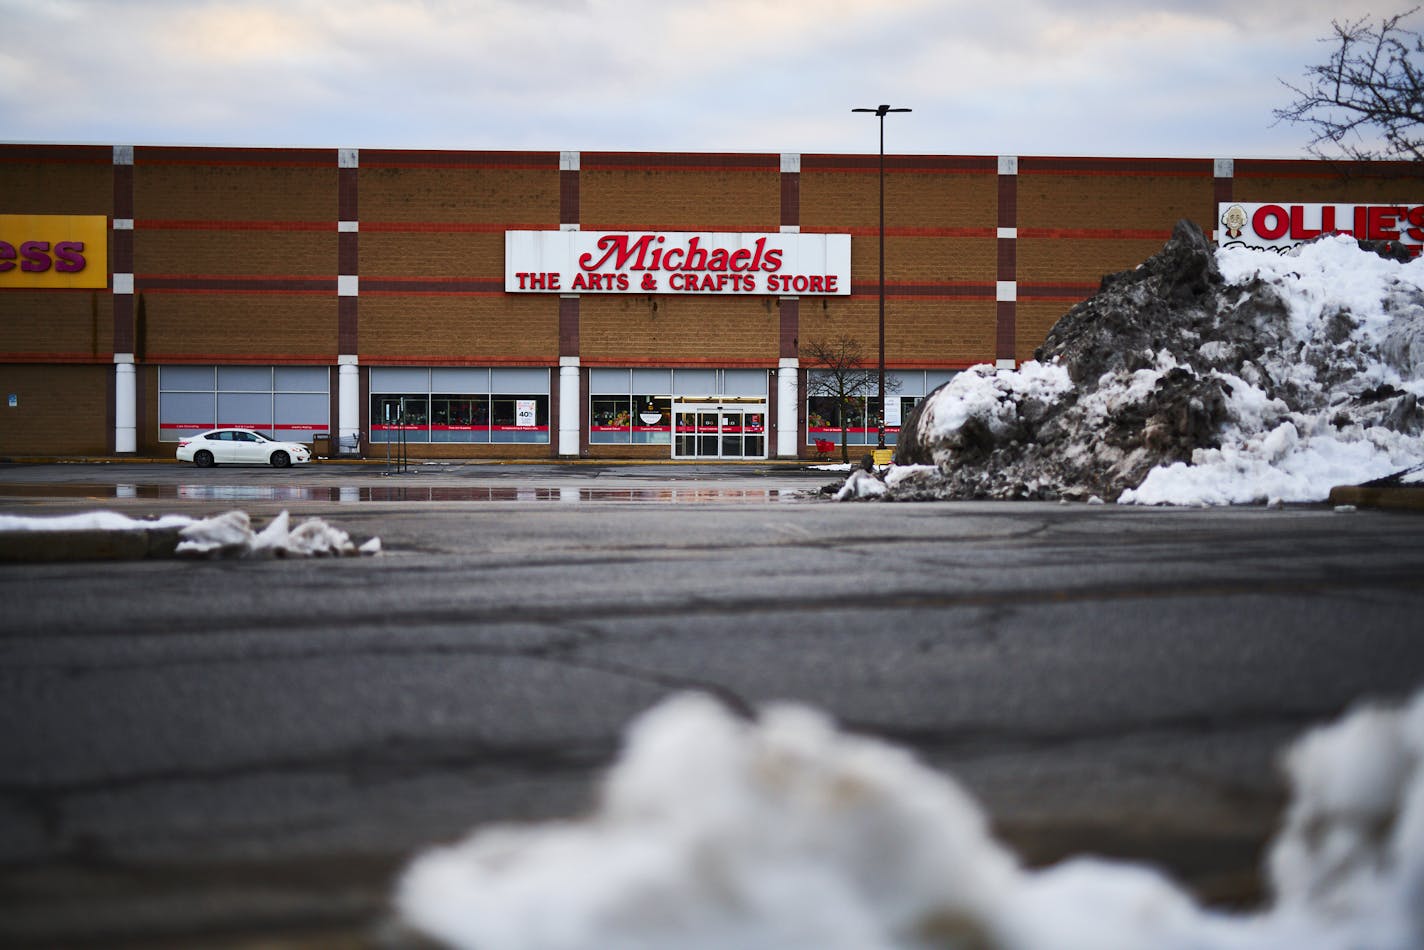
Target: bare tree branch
843, 377
1366, 101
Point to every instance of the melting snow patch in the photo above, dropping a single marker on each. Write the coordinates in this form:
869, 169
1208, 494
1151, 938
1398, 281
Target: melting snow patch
231, 535
226, 535
785, 833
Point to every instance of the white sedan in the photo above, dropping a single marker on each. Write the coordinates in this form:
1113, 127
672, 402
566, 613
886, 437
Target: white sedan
239, 447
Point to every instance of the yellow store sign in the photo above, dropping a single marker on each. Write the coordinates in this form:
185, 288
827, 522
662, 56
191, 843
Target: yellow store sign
54, 250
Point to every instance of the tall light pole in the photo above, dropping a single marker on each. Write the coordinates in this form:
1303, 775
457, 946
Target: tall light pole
881, 112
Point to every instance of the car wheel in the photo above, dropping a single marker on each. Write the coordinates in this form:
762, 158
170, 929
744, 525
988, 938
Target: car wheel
203, 459
281, 459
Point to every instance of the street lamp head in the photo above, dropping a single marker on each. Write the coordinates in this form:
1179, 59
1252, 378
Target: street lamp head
881, 110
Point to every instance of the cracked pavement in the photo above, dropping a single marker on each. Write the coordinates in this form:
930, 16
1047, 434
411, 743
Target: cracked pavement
235, 753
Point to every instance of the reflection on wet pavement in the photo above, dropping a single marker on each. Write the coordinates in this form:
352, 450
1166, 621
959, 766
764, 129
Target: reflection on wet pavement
363, 493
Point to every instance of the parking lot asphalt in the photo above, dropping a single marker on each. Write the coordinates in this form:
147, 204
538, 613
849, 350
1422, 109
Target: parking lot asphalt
246, 753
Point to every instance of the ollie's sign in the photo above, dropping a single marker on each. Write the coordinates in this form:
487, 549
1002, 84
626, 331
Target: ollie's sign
676, 262
1278, 227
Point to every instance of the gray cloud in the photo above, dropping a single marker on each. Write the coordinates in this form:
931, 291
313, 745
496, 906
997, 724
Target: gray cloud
1038, 77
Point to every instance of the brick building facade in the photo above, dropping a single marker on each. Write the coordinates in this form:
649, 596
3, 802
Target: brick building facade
362, 293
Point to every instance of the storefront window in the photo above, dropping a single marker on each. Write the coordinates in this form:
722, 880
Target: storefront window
519, 418
652, 419
286, 402
401, 417
456, 418
459, 404
610, 420
826, 416
630, 407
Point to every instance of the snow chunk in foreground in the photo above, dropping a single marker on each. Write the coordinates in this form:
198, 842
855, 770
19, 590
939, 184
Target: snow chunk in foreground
783, 833
231, 534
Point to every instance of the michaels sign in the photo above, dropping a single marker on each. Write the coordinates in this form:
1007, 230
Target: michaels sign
676, 262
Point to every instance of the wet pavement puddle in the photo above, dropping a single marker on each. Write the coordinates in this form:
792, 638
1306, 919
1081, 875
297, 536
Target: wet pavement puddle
378, 493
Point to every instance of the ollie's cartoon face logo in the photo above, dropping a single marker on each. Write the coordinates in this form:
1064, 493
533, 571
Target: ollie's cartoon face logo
1234, 219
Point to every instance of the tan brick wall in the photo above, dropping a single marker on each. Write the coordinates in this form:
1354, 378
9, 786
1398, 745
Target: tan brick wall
1106, 201
61, 410
72, 324
255, 327
918, 331
938, 200
941, 229
226, 252
680, 199
221, 192
1080, 260
1032, 321
1311, 183
920, 260
671, 328
56, 188
1076, 228
460, 327
509, 197
433, 254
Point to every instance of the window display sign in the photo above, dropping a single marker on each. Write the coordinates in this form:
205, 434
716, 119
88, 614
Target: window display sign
676, 262
1279, 227
66, 251
525, 413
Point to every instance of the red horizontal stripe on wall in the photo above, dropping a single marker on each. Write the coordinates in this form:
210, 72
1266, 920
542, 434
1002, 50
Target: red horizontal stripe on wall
105, 357
691, 362
930, 164
763, 228
679, 161
68, 154
61, 290
1066, 291
180, 359
431, 285
1098, 234
1161, 167
453, 227
168, 224
893, 231
958, 291
537, 362
440, 158
1286, 168
202, 155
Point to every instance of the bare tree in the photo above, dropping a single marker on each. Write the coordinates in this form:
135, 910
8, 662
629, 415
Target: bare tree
1366, 102
843, 377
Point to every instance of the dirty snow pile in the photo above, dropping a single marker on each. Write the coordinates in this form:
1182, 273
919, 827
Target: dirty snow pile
231, 534
227, 535
783, 833
1203, 376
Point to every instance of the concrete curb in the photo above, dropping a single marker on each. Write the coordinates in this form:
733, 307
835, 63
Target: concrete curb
1394, 497
34, 547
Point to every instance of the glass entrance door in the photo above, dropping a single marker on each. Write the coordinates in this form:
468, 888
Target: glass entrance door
720, 431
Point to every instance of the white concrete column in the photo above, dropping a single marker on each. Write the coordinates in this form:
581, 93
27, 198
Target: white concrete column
348, 404
788, 405
125, 403
569, 405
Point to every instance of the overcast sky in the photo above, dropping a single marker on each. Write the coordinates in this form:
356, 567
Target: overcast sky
1087, 77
